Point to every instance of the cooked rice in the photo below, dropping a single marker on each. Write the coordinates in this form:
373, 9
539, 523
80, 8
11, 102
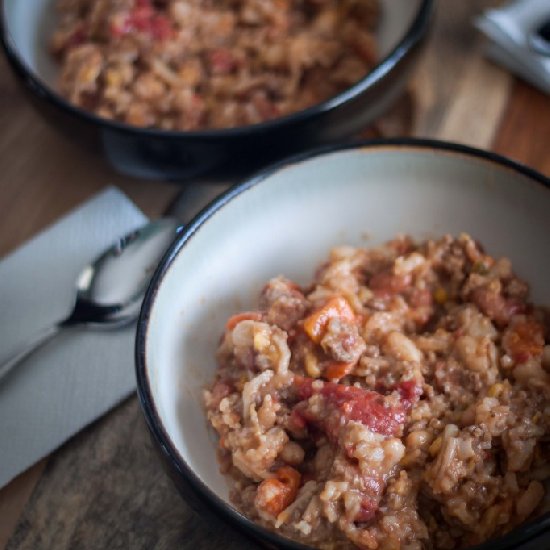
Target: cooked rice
195, 64
400, 401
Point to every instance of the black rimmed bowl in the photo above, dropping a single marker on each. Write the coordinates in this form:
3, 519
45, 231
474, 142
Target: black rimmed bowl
25, 26
283, 221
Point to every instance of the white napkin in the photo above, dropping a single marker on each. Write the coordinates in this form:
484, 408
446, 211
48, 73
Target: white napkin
509, 28
80, 374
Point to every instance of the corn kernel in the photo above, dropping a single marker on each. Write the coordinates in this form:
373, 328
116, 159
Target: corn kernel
312, 365
495, 390
261, 341
480, 267
440, 295
113, 78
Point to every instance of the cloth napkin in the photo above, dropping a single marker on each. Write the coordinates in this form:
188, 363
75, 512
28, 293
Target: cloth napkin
508, 29
82, 372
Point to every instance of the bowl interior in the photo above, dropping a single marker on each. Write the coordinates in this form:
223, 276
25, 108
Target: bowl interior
287, 223
30, 23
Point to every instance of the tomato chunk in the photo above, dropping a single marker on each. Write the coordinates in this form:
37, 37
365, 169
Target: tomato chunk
367, 510
144, 18
410, 391
222, 61
356, 404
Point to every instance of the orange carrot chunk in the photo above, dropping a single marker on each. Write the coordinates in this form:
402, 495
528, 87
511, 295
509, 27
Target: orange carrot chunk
338, 369
523, 340
316, 323
277, 493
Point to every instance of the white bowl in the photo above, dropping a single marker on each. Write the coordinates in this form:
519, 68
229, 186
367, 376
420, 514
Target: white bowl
284, 221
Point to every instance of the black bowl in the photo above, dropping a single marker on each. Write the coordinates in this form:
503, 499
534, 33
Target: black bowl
265, 226
158, 154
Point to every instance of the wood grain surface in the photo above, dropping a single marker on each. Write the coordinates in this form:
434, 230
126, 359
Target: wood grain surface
105, 487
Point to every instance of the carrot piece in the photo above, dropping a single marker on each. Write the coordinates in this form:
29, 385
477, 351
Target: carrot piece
338, 369
234, 320
315, 324
277, 493
290, 477
524, 340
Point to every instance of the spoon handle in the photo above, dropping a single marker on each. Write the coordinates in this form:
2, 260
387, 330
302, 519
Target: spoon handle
10, 361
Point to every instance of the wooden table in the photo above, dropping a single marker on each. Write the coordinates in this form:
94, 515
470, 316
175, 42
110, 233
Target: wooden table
104, 488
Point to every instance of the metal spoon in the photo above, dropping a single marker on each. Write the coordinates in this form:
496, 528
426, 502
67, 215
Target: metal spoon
539, 40
109, 291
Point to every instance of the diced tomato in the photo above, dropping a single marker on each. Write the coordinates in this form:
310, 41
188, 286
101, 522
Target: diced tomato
296, 421
141, 17
315, 324
78, 37
303, 386
367, 510
222, 61
339, 394
355, 404
144, 18
370, 410
161, 28
117, 30
410, 391
234, 320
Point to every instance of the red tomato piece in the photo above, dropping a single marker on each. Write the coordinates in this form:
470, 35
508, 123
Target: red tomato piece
356, 404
